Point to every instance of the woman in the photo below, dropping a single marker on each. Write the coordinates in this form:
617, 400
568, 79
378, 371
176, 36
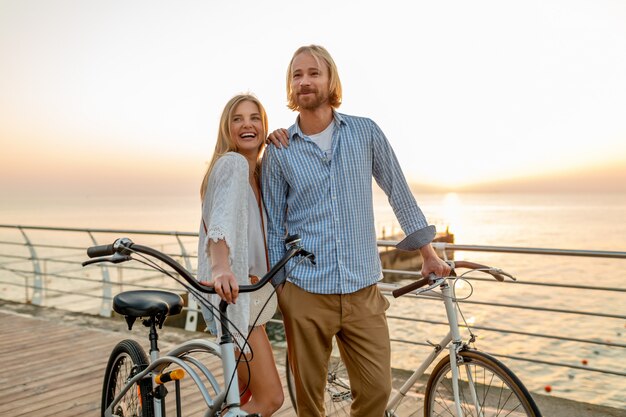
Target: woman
232, 248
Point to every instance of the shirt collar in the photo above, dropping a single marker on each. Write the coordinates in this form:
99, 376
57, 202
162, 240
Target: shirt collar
295, 131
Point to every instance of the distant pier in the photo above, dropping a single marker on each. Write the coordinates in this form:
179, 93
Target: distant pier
395, 259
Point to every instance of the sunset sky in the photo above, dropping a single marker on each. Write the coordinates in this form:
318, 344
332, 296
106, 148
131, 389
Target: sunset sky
125, 96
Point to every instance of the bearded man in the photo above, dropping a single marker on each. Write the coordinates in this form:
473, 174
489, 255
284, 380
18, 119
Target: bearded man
318, 184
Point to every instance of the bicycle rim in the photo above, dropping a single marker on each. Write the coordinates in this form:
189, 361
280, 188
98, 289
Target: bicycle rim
498, 392
337, 395
126, 360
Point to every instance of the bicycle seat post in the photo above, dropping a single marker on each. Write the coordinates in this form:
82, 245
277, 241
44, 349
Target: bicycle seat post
154, 338
158, 397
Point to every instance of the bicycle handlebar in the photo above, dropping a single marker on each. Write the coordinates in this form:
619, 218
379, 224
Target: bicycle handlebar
498, 274
120, 250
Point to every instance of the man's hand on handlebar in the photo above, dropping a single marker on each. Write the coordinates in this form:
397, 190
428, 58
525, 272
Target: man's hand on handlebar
433, 264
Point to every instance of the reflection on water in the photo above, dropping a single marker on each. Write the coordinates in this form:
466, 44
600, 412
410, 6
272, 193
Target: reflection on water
452, 212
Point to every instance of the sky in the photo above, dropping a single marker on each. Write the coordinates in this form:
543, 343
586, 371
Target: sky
116, 96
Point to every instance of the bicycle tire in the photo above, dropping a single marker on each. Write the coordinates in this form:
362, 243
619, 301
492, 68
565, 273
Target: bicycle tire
499, 390
337, 393
127, 358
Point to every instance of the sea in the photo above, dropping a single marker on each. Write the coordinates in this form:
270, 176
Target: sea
583, 221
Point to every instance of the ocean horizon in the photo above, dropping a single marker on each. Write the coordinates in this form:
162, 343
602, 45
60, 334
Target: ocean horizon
470, 216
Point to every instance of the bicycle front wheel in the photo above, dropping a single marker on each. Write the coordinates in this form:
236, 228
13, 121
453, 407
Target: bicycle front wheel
487, 388
126, 360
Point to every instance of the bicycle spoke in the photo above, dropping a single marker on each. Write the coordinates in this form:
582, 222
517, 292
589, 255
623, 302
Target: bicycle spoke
443, 401
486, 389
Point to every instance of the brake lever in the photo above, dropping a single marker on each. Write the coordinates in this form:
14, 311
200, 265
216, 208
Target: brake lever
506, 274
114, 259
310, 256
433, 282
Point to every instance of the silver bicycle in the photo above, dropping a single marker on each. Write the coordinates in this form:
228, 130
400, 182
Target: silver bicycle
135, 383
465, 383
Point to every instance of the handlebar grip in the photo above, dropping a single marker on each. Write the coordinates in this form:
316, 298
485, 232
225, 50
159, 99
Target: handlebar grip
410, 287
100, 250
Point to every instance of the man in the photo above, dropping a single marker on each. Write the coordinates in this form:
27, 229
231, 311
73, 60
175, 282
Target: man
320, 186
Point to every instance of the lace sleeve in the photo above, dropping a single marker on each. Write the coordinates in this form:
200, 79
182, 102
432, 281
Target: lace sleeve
225, 215
226, 201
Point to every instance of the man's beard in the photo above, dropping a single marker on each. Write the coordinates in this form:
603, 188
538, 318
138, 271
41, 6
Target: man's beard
312, 104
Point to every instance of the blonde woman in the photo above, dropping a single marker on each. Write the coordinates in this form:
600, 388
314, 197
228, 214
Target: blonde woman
232, 247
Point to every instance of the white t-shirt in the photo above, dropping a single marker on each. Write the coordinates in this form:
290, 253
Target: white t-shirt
257, 261
324, 140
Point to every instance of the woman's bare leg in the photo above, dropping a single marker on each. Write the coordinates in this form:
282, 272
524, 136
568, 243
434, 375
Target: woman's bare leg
262, 378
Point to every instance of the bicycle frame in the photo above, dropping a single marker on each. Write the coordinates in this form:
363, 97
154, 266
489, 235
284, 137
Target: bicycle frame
157, 363
452, 340
225, 350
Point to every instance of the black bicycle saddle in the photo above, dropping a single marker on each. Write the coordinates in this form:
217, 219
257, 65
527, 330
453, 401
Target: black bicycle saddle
147, 303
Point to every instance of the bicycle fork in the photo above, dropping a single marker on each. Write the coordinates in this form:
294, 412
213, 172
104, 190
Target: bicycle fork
455, 348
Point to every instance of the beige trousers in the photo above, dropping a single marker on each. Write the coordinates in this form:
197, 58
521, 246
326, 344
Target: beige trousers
359, 323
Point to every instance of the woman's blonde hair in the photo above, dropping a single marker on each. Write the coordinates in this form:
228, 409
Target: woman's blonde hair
321, 55
225, 143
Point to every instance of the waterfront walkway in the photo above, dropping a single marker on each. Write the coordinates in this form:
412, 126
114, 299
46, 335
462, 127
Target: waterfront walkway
53, 363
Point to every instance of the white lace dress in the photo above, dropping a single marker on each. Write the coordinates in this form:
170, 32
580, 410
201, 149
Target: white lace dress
230, 212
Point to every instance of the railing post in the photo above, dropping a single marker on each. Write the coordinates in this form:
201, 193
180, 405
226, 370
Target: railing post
191, 322
38, 282
105, 307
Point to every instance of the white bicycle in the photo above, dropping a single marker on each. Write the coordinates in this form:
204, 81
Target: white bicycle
472, 384
135, 383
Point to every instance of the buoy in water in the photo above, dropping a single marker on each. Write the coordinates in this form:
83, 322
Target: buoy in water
548, 388
584, 362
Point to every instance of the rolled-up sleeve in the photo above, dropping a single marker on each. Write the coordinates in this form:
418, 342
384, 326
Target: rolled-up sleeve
388, 174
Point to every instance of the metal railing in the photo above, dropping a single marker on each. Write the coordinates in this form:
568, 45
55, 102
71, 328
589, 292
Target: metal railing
41, 265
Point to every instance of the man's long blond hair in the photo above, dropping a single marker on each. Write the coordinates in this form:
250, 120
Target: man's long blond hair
225, 143
321, 55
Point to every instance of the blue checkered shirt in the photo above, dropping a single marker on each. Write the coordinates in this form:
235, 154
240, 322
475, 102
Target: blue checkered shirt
329, 204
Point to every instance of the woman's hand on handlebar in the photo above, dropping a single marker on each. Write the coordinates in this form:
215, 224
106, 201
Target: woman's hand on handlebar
224, 281
225, 284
